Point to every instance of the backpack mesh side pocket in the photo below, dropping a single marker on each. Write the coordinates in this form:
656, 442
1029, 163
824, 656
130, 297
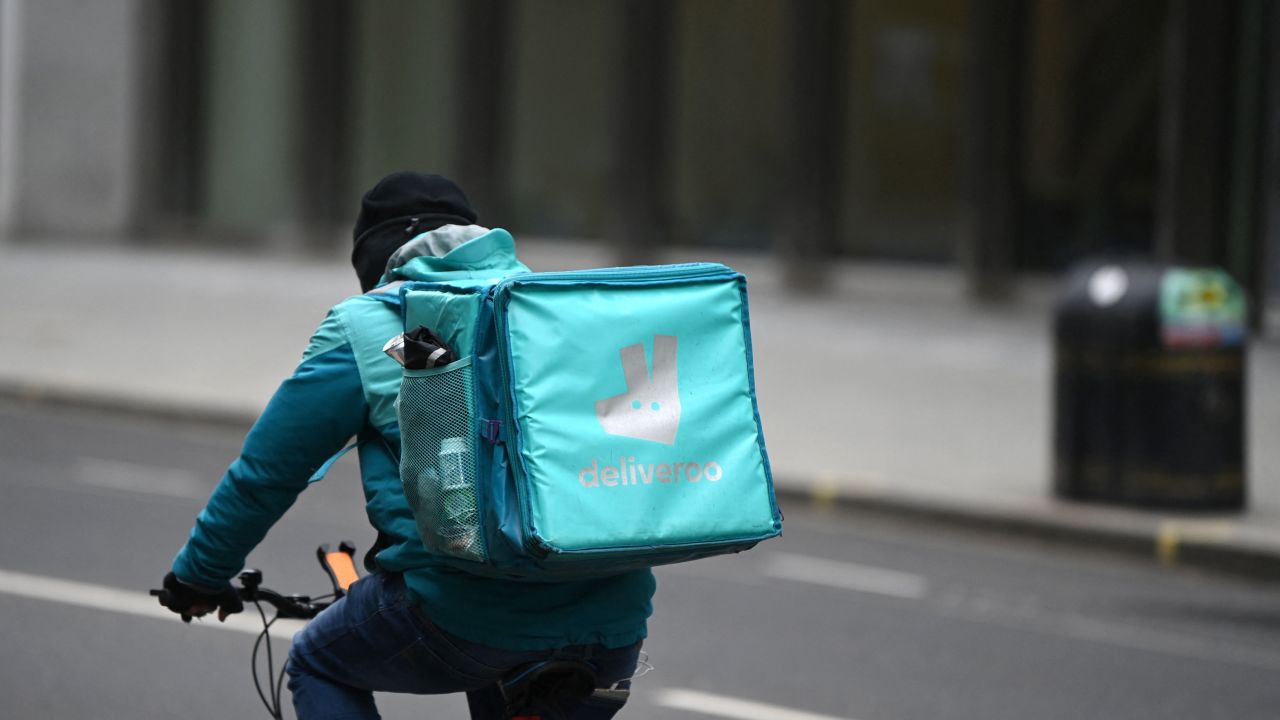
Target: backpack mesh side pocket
438, 459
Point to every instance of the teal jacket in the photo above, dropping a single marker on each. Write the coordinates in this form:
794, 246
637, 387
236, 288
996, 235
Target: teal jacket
346, 387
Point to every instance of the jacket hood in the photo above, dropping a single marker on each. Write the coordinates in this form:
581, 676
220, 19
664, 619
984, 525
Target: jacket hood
452, 252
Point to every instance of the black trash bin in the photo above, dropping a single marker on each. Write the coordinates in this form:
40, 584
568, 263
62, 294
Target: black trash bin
1149, 386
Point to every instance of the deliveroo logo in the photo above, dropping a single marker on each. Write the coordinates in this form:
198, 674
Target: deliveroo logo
650, 408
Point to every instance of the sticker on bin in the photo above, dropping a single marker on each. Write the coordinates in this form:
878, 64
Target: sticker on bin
1201, 308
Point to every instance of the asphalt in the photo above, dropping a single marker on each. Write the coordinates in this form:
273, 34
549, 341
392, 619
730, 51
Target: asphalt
888, 391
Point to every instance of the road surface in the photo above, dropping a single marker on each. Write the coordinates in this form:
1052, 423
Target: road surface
848, 617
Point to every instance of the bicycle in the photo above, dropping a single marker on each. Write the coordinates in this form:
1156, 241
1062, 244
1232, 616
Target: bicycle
530, 692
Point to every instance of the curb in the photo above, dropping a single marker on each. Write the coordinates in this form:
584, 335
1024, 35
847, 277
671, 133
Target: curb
1171, 540
1168, 540
28, 393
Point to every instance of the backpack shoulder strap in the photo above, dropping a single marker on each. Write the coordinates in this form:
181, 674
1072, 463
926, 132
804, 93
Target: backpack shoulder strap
323, 470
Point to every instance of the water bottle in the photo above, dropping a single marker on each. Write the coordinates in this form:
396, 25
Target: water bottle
458, 515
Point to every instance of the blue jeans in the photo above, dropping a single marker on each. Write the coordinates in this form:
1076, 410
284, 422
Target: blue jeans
376, 639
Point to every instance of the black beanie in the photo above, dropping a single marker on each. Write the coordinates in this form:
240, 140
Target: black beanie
401, 206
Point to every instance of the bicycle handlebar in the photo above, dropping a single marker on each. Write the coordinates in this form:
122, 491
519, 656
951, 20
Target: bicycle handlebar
300, 607
340, 567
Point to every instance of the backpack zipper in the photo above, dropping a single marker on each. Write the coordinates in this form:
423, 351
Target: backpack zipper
650, 273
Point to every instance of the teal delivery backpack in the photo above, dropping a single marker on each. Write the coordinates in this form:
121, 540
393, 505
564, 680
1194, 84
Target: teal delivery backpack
593, 421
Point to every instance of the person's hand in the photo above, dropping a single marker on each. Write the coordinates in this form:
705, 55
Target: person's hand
190, 601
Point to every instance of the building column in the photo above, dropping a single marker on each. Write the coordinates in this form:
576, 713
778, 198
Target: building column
173, 132
1194, 129
814, 101
1267, 299
11, 47
71, 157
251, 169
325, 137
1253, 240
995, 144
641, 216
481, 108
1217, 160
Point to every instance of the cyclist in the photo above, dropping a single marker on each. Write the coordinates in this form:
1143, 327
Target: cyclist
414, 624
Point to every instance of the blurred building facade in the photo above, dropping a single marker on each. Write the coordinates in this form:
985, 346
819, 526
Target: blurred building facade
1002, 136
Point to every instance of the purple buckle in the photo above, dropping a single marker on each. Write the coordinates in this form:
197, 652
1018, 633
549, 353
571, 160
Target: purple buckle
491, 430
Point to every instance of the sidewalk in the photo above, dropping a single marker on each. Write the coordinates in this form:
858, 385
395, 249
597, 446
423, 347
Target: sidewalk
891, 392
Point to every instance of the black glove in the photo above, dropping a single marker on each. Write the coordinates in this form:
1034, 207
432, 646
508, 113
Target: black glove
188, 601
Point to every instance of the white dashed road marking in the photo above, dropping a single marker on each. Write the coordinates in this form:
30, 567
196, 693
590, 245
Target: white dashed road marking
730, 707
140, 604
129, 477
846, 576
